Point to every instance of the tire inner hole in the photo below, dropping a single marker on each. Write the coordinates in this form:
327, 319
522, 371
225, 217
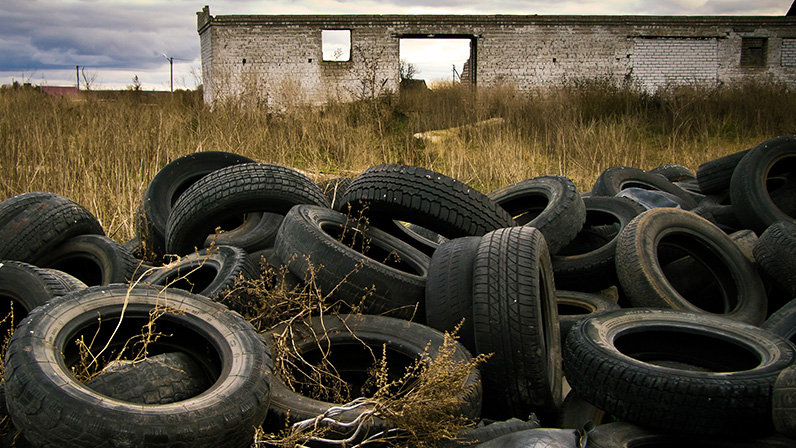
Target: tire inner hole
86, 269
598, 230
139, 336
345, 369
686, 350
526, 208
697, 273
193, 279
372, 248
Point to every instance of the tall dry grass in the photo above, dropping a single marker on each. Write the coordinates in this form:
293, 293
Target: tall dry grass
102, 151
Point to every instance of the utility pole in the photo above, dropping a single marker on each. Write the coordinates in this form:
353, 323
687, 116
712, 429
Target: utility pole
77, 76
171, 71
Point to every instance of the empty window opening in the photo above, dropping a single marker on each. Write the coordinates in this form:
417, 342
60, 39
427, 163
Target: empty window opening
435, 60
336, 45
753, 51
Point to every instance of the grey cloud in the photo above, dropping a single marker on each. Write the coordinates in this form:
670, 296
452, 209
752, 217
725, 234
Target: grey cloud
655, 7
104, 34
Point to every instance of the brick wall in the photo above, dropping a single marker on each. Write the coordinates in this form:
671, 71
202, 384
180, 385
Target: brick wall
788, 58
662, 61
278, 59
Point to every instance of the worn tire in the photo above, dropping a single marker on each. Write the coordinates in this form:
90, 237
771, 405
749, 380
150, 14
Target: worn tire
662, 247
35, 231
615, 179
674, 172
552, 204
374, 270
784, 402
516, 319
714, 175
588, 262
783, 322
13, 206
257, 232
677, 371
165, 188
24, 287
449, 289
226, 194
209, 272
388, 193
485, 432
353, 344
754, 203
775, 254
155, 380
573, 306
535, 438
628, 435
40, 357
93, 259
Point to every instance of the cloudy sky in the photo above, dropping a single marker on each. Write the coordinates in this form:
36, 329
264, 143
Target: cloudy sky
42, 41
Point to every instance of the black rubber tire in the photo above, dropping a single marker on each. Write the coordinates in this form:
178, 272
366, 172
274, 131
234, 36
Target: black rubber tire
750, 195
93, 259
419, 237
577, 413
166, 187
352, 344
485, 432
24, 287
587, 263
674, 172
13, 206
389, 277
658, 241
783, 409
535, 438
714, 175
552, 204
615, 179
35, 231
335, 189
573, 306
422, 232
229, 193
721, 211
209, 272
628, 435
746, 240
159, 379
516, 319
783, 322
72, 283
775, 254
41, 354
449, 289
677, 370
257, 232
429, 199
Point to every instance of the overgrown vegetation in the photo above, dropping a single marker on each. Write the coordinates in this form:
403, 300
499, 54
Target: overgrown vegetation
103, 151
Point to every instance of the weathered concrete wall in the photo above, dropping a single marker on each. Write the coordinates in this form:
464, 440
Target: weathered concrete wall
278, 59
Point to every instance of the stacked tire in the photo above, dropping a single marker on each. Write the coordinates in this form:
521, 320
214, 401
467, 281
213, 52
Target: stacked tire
658, 306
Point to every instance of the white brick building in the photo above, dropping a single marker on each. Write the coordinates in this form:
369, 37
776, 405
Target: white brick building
280, 58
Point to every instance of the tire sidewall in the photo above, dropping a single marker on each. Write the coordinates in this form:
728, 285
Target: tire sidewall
36, 351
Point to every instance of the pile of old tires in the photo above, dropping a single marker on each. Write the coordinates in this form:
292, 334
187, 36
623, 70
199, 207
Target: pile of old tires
655, 309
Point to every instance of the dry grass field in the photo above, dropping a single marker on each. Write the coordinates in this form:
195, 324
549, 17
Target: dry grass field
102, 150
